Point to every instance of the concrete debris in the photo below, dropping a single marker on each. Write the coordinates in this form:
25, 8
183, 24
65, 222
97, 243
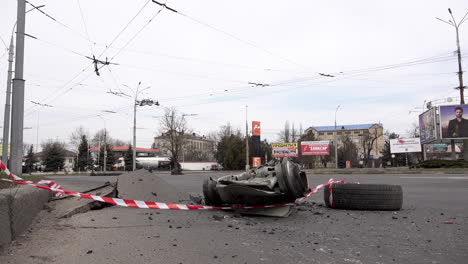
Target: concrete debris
145, 186
76, 205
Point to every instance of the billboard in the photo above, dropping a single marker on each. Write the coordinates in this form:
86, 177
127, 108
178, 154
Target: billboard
284, 150
315, 148
452, 123
405, 145
255, 128
427, 126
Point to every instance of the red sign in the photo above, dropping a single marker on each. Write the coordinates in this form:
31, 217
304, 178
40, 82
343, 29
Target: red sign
348, 164
256, 162
315, 148
255, 128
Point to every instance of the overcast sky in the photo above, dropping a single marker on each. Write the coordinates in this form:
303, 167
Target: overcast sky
202, 59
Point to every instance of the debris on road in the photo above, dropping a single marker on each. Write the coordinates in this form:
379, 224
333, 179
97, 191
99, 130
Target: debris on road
146, 186
71, 205
278, 182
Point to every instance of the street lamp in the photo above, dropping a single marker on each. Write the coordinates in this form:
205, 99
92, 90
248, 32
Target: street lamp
135, 104
105, 143
460, 71
6, 120
336, 145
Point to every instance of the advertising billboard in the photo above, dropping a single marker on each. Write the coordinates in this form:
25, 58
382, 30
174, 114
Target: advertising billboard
284, 150
427, 126
452, 123
255, 128
405, 145
315, 148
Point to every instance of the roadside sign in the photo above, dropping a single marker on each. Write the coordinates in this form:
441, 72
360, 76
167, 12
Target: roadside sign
284, 150
315, 148
405, 145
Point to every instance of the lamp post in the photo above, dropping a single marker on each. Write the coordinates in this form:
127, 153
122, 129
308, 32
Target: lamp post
336, 145
17, 113
247, 165
461, 87
135, 104
105, 144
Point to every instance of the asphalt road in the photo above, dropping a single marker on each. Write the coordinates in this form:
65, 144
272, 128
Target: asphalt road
432, 227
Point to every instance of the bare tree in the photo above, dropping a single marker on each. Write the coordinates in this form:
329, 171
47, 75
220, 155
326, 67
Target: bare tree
174, 127
118, 142
98, 138
294, 134
368, 141
413, 132
285, 134
76, 136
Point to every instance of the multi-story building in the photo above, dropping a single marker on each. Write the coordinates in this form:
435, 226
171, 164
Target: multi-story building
195, 147
359, 134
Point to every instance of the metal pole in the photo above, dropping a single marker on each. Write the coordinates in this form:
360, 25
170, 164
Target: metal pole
6, 120
105, 144
105, 149
462, 96
18, 94
37, 132
247, 166
460, 70
134, 128
336, 144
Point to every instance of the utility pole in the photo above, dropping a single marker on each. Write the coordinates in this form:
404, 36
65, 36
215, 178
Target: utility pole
135, 104
461, 87
17, 120
6, 120
336, 144
247, 164
134, 128
105, 144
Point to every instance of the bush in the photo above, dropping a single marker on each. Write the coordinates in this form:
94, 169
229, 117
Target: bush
432, 164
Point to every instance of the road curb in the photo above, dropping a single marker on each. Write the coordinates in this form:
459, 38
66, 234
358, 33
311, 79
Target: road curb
18, 207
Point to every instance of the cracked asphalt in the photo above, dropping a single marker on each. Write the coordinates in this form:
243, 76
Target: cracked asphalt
432, 227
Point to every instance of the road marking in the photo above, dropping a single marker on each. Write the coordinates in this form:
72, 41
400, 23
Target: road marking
437, 177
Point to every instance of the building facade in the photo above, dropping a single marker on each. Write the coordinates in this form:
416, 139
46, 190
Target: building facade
360, 134
195, 147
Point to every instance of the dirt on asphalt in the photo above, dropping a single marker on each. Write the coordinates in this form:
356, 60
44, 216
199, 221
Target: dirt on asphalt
312, 234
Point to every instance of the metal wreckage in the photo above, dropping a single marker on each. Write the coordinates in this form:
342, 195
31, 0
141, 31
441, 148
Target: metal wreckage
280, 181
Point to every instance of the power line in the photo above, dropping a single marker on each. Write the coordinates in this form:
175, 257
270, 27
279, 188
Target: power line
124, 28
61, 47
250, 43
85, 27
137, 33
58, 22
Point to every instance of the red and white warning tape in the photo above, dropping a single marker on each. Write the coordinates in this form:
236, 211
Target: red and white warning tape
154, 205
53, 186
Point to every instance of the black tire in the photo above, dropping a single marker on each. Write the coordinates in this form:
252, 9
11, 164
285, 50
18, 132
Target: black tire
364, 196
211, 193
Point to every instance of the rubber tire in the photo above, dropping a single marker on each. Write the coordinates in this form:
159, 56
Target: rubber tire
353, 196
211, 193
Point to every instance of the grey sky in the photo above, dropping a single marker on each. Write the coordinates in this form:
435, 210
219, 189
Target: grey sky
201, 60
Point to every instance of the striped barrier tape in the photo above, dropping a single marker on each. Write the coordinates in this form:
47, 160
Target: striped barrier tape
58, 191
51, 184
157, 205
